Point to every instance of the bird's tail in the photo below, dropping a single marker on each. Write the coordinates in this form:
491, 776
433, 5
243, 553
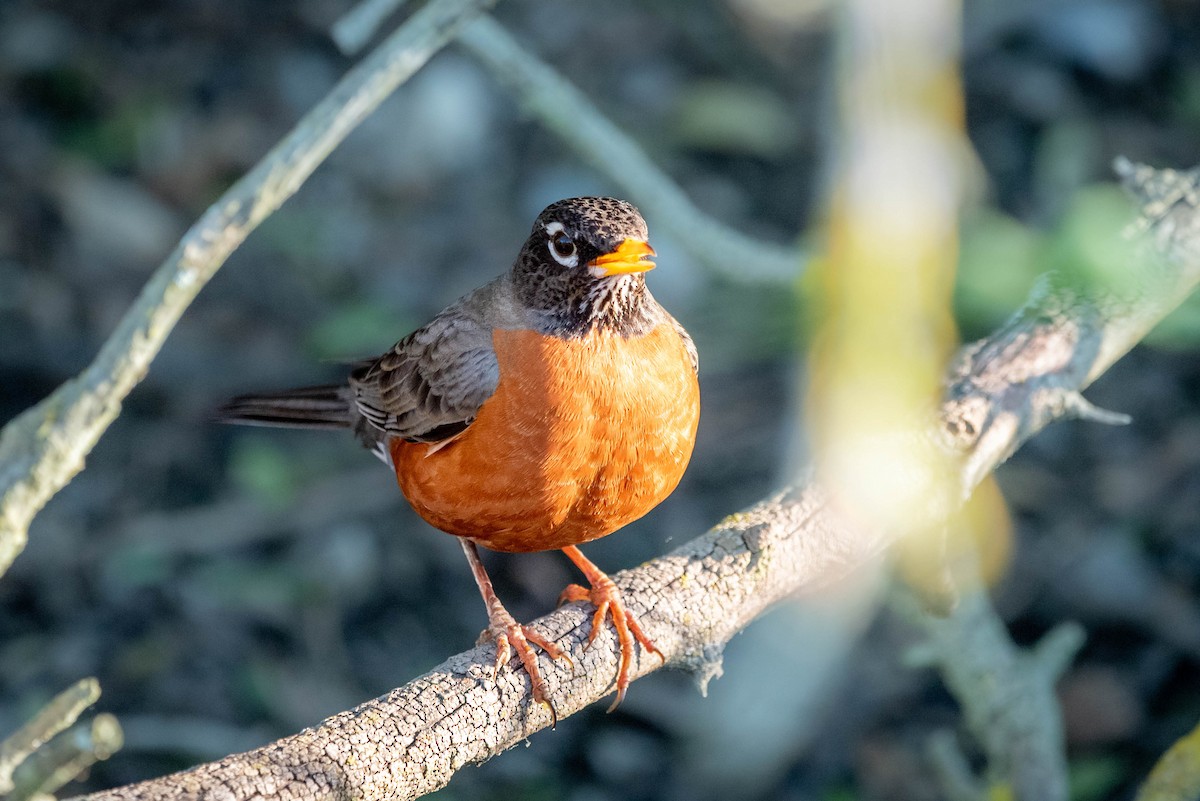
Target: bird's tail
309, 407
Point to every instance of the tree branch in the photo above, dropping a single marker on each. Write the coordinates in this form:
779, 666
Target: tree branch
1003, 390
411, 741
1006, 693
64, 758
567, 112
1007, 387
43, 448
62, 711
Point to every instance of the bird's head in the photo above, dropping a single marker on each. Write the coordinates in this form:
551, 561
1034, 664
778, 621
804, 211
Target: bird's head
584, 263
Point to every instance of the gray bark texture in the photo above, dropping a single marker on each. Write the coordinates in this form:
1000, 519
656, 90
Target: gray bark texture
1001, 391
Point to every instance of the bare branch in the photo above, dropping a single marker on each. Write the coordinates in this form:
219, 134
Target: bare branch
65, 757
693, 600
411, 741
567, 112
1006, 388
44, 448
62, 711
1007, 694
1003, 390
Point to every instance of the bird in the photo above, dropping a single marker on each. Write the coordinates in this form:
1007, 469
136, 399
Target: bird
548, 408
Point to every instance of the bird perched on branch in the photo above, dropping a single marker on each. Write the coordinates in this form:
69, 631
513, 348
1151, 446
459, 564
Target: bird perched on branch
547, 408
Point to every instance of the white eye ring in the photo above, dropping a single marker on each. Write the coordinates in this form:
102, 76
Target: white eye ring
561, 248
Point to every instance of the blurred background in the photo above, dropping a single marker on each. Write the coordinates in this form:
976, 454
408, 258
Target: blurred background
231, 586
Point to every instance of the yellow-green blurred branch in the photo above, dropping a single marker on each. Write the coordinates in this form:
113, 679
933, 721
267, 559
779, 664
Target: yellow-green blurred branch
44, 448
883, 334
56, 716
880, 296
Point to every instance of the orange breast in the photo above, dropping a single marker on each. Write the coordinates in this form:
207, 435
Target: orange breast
581, 437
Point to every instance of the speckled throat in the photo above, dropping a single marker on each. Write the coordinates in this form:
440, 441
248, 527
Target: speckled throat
621, 304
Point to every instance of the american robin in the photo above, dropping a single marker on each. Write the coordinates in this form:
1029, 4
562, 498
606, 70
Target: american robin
547, 408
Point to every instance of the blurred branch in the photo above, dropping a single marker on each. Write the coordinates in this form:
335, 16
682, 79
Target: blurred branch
44, 448
691, 601
66, 757
1006, 694
565, 110
952, 769
882, 297
56, 716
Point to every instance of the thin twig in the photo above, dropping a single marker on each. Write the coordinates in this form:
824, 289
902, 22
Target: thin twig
44, 447
950, 765
66, 757
62, 711
567, 112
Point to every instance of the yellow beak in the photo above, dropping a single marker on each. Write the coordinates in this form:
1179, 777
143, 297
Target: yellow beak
631, 256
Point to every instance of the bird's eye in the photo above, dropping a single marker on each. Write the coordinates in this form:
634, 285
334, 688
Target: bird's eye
562, 248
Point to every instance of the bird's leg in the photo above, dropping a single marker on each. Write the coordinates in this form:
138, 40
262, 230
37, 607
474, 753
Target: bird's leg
506, 632
607, 598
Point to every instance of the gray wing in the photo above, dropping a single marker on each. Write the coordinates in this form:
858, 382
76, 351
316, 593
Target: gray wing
430, 385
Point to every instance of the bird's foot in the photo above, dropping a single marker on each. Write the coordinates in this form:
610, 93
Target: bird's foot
510, 635
607, 598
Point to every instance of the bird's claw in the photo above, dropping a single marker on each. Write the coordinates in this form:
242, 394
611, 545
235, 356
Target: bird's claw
607, 598
509, 635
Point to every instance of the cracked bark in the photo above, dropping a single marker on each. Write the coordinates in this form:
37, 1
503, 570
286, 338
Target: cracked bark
1001, 391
